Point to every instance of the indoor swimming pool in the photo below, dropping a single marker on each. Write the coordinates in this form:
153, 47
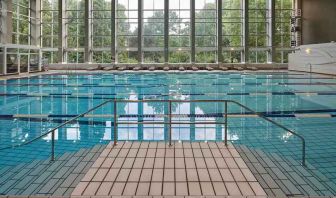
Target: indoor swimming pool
302, 102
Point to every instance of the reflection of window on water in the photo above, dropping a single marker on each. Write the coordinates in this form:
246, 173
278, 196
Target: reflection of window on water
231, 136
48, 137
108, 131
204, 131
17, 134
128, 131
73, 133
150, 112
181, 131
152, 133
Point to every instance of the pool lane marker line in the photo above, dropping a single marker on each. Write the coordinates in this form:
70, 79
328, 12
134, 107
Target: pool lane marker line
86, 95
313, 115
296, 115
164, 85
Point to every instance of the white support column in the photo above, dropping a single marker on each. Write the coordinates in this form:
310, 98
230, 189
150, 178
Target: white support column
35, 29
3, 61
6, 29
6, 21
35, 22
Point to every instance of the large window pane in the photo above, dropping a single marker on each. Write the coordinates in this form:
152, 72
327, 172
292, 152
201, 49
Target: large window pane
283, 10
49, 30
127, 31
179, 31
153, 31
206, 31
75, 30
21, 22
258, 34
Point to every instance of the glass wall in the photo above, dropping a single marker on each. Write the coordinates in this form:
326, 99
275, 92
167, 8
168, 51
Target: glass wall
49, 30
21, 22
101, 31
75, 36
232, 30
179, 31
127, 31
153, 31
206, 31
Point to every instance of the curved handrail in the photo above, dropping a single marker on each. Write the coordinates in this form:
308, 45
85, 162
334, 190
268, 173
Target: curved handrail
280, 126
170, 101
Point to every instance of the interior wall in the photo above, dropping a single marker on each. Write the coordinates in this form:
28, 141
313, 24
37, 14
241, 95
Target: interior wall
318, 21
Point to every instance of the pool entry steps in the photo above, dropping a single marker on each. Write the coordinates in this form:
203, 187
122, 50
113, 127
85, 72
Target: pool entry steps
156, 169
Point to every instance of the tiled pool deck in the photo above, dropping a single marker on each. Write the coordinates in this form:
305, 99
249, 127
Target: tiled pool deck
149, 169
155, 169
46, 178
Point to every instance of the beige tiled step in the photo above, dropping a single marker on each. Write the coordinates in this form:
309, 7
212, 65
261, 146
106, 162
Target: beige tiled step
155, 169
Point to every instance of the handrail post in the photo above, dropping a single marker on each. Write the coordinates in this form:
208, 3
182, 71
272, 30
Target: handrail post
115, 123
226, 124
53, 145
303, 152
170, 122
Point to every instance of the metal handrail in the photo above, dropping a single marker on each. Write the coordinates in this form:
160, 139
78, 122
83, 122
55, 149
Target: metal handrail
57, 127
170, 122
280, 126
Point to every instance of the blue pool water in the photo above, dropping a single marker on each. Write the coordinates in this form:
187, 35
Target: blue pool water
31, 106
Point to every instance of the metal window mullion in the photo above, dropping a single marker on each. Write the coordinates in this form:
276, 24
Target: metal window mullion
245, 57
166, 31
140, 37
219, 32
113, 31
192, 31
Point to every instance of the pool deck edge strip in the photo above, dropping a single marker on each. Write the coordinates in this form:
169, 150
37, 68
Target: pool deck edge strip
155, 169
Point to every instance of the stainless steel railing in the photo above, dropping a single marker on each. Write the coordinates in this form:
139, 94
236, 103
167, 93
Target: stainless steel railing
169, 123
